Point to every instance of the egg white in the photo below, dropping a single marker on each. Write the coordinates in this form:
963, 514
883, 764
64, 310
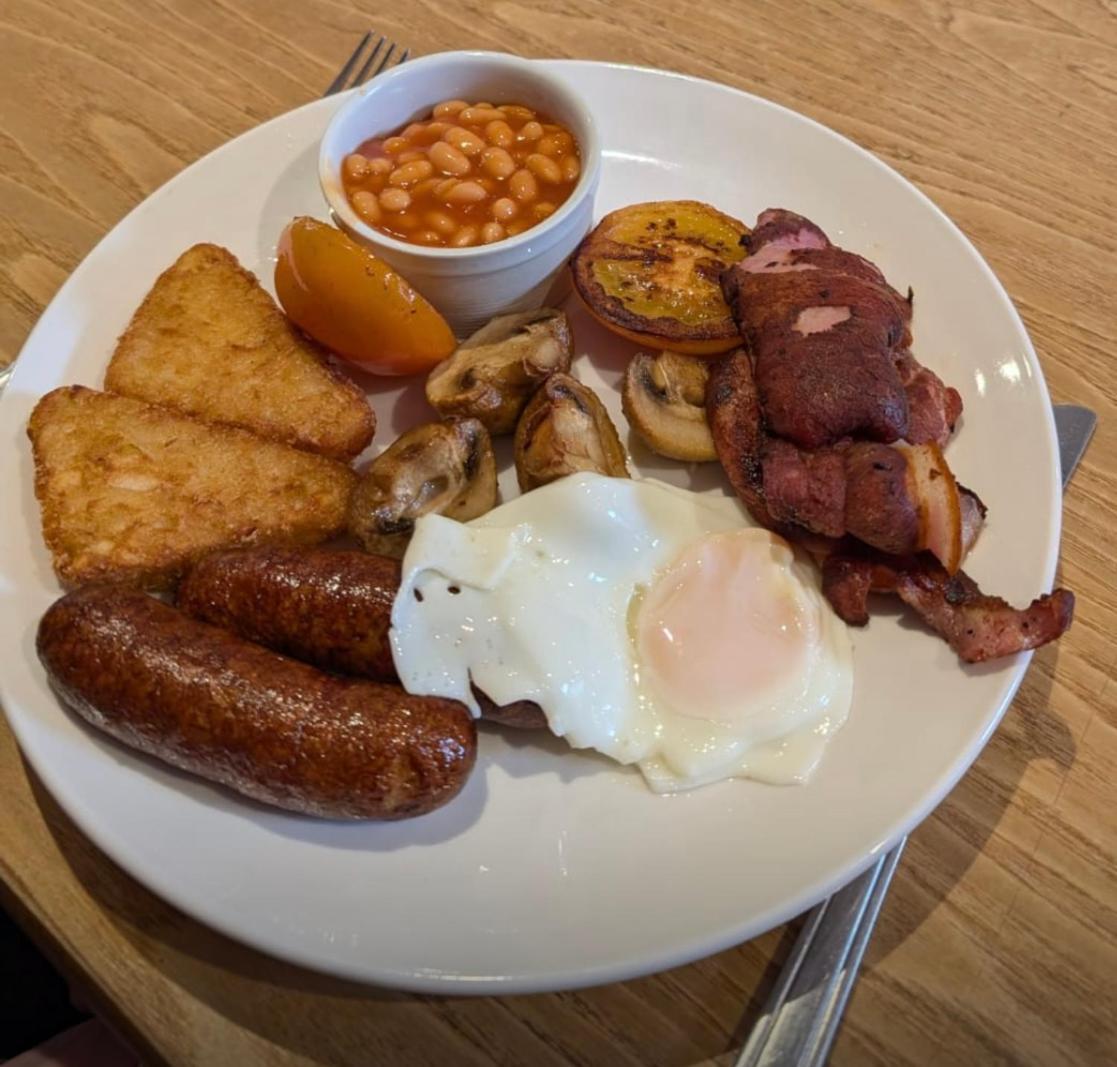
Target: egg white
535, 601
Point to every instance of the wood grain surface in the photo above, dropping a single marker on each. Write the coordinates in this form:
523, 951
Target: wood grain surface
998, 942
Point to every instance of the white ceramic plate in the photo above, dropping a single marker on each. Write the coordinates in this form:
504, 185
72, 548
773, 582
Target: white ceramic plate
556, 869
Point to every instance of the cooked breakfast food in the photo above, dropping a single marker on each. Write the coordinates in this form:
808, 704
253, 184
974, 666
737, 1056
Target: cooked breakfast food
136, 493
564, 429
664, 400
650, 623
649, 272
275, 730
209, 341
977, 626
329, 607
522, 715
493, 373
898, 498
654, 625
468, 174
829, 341
445, 468
354, 304
831, 431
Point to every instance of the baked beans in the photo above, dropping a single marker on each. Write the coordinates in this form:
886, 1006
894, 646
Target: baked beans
469, 174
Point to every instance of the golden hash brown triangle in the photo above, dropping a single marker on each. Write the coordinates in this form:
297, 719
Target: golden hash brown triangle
209, 341
133, 492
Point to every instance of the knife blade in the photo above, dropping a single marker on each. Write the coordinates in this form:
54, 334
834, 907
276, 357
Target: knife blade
1074, 426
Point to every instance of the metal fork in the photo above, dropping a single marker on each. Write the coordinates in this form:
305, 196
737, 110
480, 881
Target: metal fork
377, 61
804, 1010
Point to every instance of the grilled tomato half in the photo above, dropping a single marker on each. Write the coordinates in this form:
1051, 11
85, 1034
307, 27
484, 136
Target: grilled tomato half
354, 304
651, 272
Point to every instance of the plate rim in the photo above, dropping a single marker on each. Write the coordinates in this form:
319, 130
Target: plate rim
652, 960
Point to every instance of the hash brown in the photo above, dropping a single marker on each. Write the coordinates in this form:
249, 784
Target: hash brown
136, 493
209, 341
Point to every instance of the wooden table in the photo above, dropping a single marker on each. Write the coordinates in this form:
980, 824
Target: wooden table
998, 942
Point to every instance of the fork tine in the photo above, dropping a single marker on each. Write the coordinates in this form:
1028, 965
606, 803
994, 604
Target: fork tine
343, 74
384, 62
362, 74
404, 56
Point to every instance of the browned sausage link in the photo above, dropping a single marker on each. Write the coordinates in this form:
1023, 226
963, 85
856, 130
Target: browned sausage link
521, 715
230, 711
327, 607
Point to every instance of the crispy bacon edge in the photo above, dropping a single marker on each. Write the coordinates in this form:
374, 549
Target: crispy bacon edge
977, 626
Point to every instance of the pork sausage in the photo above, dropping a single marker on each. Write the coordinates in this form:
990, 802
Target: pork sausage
223, 708
329, 607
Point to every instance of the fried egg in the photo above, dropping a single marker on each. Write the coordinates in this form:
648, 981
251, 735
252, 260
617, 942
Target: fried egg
655, 625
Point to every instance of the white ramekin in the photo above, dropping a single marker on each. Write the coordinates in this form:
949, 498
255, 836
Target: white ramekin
468, 285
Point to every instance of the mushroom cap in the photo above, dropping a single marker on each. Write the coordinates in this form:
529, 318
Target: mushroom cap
492, 375
664, 399
565, 428
444, 468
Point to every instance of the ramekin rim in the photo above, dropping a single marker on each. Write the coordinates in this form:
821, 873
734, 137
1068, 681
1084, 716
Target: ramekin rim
339, 205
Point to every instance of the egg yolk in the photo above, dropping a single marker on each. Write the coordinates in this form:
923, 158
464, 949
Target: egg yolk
722, 625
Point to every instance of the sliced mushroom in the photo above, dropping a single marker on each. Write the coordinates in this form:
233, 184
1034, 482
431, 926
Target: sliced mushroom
441, 468
565, 428
664, 398
492, 375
